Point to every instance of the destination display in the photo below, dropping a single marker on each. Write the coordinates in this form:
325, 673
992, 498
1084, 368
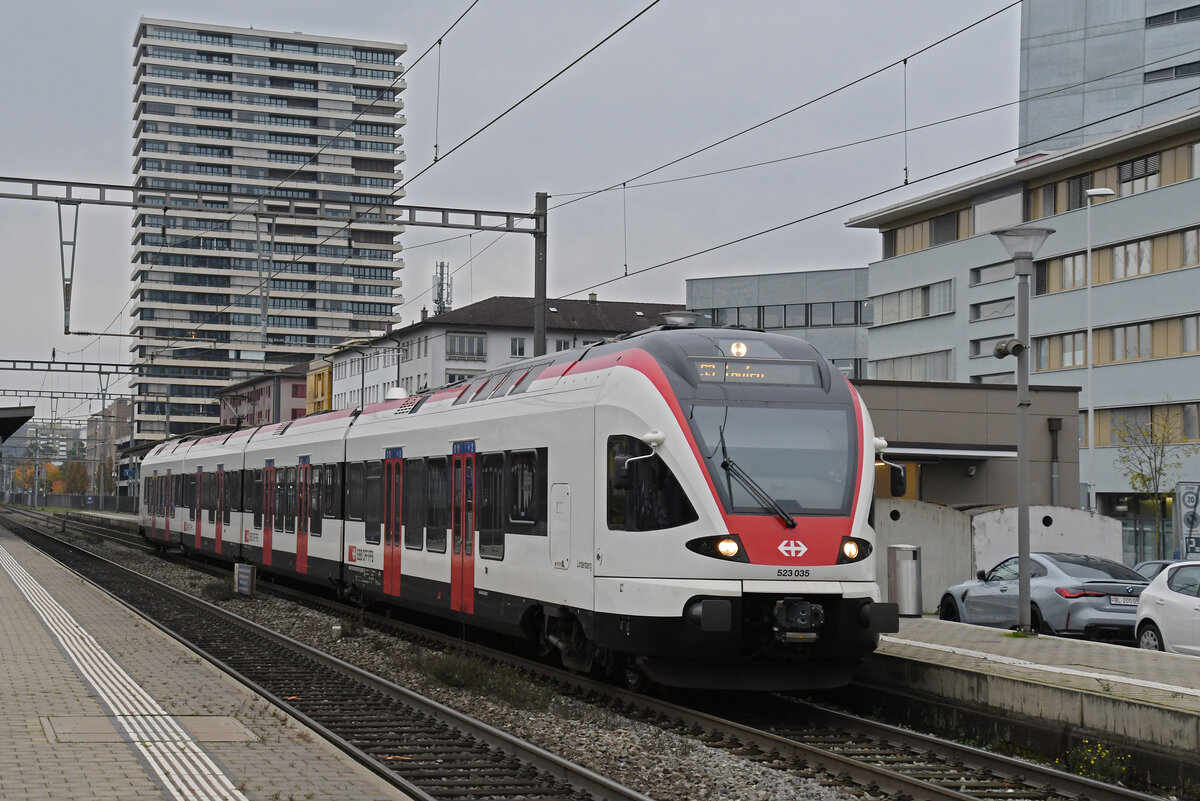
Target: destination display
758, 371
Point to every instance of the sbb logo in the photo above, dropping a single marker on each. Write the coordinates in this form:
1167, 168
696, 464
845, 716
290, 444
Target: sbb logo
352, 548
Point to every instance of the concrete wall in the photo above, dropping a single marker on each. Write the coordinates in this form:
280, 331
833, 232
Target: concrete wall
943, 535
1051, 528
955, 544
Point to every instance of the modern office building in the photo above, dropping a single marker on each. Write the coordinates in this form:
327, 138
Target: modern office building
831, 309
1093, 69
274, 152
944, 291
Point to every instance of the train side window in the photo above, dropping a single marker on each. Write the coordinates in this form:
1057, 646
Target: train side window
437, 504
333, 491
508, 383
526, 491
315, 498
210, 496
278, 505
643, 495
256, 497
190, 489
237, 497
373, 499
413, 509
490, 491
289, 496
354, 491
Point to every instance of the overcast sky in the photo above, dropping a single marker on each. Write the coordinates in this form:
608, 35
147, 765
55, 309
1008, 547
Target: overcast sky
686, 74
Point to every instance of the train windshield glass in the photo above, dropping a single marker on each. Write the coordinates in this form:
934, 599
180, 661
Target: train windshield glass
802, 457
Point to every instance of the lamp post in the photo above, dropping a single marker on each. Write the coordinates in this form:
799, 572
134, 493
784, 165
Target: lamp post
1091, 351
1022, 244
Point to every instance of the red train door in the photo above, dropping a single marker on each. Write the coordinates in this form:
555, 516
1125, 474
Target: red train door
393, 487
219, 511
462, 529
268, 509
303, 486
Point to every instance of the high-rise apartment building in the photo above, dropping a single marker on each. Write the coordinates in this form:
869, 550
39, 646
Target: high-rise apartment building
1093, 69
273, 153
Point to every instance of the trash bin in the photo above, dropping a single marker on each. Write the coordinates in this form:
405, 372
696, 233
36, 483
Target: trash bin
904, 579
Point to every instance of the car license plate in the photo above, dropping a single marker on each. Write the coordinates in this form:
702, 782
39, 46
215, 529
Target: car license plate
1123, 600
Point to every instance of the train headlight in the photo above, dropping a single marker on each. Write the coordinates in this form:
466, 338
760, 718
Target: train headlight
723, 546
853, 549
738, 349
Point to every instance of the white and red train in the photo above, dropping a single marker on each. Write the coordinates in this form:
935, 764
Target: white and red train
692, 505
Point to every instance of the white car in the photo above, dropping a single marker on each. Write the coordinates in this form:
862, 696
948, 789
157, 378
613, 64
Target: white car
1168, 614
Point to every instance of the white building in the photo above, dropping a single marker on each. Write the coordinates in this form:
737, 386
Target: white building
275, 144
458, 344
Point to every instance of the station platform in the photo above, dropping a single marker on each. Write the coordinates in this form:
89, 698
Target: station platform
97, 703
1144, 700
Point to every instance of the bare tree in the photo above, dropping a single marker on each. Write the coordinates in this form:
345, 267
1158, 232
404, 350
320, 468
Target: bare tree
1151, 452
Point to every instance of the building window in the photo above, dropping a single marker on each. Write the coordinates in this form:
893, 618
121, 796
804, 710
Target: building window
1138, 175
844, 312
1191, 334
724, 317
748, 317
1124, 421
795, 315
561, 344
987, 346
911, 304
1074, 271
1130, 342
772, 317
1131, 259
934, 366
1077, 191
1191, 422
993, 272
1171, 17
820, 314
993, 309
944, 228
516, 346
466, 346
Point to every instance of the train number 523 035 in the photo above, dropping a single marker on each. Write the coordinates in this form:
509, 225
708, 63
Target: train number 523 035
792, 572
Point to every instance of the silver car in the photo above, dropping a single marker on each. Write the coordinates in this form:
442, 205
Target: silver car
1071, 594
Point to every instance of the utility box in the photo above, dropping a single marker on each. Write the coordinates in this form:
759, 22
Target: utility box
904, 579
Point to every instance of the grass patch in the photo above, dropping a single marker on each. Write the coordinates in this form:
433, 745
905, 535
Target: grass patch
500, 681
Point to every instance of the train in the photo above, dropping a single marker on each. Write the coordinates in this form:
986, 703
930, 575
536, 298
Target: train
686, 506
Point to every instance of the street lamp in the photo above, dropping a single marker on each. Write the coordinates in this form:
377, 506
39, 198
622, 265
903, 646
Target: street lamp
1022, 244
1103, 191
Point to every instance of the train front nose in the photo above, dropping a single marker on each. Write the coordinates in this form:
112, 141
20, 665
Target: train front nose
797, 620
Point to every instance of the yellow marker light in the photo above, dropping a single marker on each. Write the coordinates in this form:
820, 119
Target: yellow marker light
727, 548
850, 549
738, 349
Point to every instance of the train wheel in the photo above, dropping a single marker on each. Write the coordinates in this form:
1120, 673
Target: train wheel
634, 679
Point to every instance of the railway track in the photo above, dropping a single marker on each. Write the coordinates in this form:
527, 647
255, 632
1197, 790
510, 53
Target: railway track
425, 748
863, 757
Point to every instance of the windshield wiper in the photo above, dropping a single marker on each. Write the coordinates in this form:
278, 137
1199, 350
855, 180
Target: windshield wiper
750, 485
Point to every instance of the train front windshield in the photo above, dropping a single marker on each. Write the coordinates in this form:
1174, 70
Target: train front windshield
804, 458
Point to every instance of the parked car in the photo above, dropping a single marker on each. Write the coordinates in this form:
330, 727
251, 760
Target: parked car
1070, 594
1168, 613
1152, 567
